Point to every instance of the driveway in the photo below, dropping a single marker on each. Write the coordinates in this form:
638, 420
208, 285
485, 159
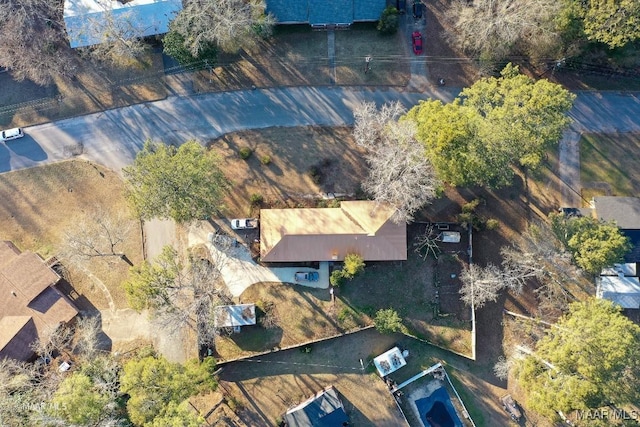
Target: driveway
239, 271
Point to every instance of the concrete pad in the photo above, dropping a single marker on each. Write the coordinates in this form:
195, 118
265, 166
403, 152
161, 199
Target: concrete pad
239, 271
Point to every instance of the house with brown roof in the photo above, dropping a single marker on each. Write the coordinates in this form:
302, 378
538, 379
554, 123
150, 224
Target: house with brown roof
30, 303
328, 234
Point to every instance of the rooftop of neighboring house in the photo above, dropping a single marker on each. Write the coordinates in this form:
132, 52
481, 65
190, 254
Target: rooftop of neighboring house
325, 12
29, 302
625, 211
85, 20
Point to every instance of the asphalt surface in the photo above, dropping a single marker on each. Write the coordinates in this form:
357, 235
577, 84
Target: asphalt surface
113, 137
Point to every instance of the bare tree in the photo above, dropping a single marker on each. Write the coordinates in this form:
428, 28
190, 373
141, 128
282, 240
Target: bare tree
429, 241
99, 234
400, 173
227, 24
52, 339
119, 38
480, 285
497, 28
34, 45
502, 367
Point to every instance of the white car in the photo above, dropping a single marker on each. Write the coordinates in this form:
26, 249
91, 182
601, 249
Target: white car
9, 134
244, 223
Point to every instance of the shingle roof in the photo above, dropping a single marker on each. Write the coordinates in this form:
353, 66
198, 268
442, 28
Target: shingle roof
361, 227
28, 297
316, 12
322, 410
625, 211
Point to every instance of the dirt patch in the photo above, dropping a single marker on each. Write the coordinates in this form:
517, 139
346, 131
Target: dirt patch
292, 152
40, 203
444, 60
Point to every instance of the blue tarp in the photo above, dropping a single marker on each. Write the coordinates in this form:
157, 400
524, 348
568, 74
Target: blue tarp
437, 410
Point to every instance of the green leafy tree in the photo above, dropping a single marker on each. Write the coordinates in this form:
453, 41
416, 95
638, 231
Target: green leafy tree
387, 321
353, 265
149, 285
389, 21
492, 126
77, 400
183, 183
591, 358
612, 22
178, 415
176, 46
594, 244
156, 387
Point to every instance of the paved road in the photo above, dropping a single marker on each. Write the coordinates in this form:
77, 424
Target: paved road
113, 137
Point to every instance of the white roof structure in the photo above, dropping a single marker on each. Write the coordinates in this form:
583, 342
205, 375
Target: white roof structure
389, 361
86, 20
628, 269
231, 316
624, 291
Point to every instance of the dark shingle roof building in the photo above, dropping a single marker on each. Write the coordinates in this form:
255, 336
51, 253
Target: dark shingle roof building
325, 12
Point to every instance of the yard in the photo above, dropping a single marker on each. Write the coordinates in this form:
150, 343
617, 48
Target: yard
608, 165
40, 203
264, 387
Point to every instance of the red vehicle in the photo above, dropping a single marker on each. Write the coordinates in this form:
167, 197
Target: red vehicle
416, 38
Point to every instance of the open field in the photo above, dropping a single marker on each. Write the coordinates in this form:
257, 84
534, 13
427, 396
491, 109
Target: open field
609, 164
286, 181
40, 203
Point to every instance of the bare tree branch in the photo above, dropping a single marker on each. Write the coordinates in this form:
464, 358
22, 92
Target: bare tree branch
480, 285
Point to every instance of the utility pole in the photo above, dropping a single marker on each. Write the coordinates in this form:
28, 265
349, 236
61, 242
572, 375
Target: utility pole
367, 61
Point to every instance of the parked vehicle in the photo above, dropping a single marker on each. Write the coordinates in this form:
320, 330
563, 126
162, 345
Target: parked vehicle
9, 134
511, 407
244, 223
417, 10
401, 5
307, 276
416, 38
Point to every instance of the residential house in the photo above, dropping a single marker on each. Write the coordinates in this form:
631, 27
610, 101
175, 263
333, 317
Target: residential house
620, 284
30, 302
625, 211
87, 21
321, 13
328, 234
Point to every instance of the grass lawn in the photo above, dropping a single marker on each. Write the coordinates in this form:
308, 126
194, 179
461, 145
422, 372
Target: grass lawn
608, 164
40, 203
302, 314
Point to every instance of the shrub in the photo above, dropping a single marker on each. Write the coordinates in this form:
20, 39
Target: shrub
353, 264
265, 160
492, 224
337, 278
245, 153
471, 206
387, 321
256, 199
388, 23
315, 174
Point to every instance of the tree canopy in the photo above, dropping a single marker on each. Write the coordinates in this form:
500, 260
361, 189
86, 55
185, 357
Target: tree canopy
494, 125
594, 244
612, 22
399, 172
228, 25
183, 183
78, 401
157, 387
591, 358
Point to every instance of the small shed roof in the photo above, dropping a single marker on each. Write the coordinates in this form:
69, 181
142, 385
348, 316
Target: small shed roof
624, 291
229, 316
325, 409
389, 361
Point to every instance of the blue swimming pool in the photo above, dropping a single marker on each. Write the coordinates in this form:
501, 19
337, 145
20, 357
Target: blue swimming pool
437, 410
